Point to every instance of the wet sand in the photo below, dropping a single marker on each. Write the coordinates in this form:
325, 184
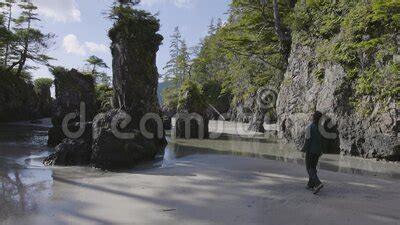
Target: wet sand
233, 180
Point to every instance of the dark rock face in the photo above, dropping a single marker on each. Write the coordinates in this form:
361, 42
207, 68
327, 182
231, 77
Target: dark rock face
192, 119
70, 153
264, 109
257, 121
167, 123
374, 136
218, 102
168, 113
113, 152
243, 111
57, 135
72, 88
257, 110
187, 126
135, 42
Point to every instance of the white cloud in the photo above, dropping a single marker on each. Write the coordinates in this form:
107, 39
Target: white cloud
59, 10
184, 3
94, 47
177, 3
72, 45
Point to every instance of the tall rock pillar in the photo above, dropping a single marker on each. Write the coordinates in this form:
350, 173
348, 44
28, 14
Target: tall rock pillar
135, 42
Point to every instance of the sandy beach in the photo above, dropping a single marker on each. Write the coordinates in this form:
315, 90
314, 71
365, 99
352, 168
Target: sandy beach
207, 189
193, 185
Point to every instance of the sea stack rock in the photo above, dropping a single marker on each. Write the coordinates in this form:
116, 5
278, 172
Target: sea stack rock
71, 152
72, 88
191, 119
135, 42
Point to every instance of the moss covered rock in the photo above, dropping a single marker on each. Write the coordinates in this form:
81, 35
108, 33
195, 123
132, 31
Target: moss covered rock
192, 119
72, 88
135, 42
343, 63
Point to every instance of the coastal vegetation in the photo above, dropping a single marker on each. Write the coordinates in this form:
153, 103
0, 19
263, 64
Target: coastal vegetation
252, 48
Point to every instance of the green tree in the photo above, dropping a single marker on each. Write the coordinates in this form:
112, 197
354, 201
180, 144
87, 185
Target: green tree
128, 2
178, 69
42, 88
96, 62
101, 77
219, 24
183, 63
3, 37
29, 43
172, 65
7, 34
362, 37
211, 27
103, 96
43, 85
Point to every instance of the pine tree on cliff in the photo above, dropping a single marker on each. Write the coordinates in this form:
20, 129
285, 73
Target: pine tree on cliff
96, 62
171, 66
8, 13
183, 61
211, 28
219, 24
177, 68
28, 43
129, 2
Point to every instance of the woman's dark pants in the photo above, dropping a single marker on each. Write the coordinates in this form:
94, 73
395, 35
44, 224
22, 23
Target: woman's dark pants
311, 164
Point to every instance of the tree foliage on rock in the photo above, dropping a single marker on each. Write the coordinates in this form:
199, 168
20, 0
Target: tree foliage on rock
247, 52
22, 42
100, 77
363, 37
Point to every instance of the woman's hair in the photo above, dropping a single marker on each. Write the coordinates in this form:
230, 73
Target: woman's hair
317, 116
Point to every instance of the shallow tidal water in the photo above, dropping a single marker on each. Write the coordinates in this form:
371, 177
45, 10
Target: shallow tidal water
25, 181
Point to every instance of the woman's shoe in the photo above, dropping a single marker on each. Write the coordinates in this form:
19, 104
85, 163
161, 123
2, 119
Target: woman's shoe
318, 188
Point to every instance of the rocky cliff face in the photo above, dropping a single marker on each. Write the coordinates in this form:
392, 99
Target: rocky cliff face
257, 110
192, 119
372, 136
72, 89
135, 42
122, 137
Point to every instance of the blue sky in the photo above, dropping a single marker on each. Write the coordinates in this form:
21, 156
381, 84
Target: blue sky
81, 28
